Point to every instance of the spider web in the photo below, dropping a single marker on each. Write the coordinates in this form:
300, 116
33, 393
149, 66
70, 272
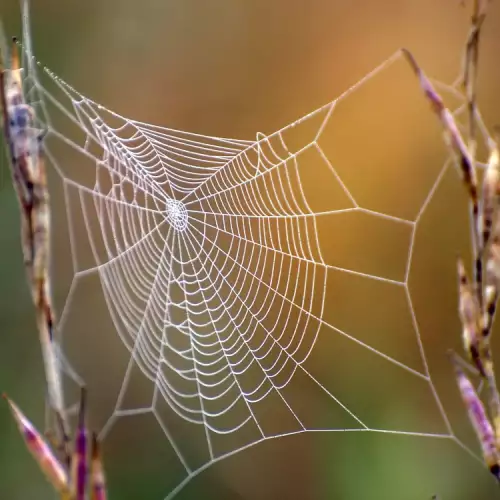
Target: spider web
209, 254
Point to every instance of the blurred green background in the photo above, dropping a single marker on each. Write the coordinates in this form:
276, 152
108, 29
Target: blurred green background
234, 68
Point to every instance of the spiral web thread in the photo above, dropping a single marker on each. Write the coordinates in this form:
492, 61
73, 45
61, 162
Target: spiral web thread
210, 261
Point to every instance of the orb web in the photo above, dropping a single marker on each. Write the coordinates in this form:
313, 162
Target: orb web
211, 263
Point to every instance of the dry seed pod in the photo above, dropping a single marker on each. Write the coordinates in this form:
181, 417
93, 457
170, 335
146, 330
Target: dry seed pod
493, 263
492, 280
490, 302
478, 419
40, 450
470, 316
491, 194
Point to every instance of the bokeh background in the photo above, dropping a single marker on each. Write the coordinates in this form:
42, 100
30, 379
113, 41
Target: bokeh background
234, 68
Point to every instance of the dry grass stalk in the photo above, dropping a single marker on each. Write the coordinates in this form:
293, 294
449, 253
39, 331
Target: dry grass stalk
477, 299
79, 475
27, 164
